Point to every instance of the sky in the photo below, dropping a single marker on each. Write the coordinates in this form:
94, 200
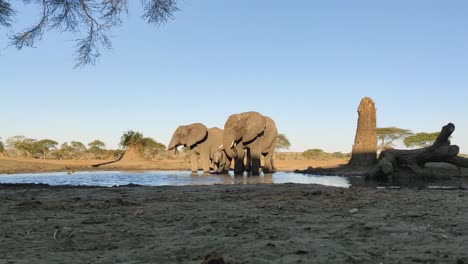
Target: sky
306, 64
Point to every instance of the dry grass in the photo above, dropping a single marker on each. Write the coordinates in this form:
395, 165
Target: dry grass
285, 161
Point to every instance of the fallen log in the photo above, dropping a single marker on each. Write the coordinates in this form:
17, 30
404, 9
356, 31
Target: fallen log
414, 161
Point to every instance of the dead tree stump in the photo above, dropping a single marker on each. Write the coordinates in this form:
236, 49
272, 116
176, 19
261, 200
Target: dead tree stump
414, 161
365, 143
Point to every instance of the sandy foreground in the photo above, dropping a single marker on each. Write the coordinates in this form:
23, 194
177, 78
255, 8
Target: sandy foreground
244, 223
262, 223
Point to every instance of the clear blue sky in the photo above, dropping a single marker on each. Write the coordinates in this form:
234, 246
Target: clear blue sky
304, 63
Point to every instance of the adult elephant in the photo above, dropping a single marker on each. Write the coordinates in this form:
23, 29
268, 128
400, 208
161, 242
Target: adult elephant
202, 142
256, 134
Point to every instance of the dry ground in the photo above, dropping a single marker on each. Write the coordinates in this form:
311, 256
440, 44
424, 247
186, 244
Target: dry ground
245, 223
18, 165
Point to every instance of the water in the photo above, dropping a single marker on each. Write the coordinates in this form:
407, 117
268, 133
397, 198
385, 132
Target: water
162, 178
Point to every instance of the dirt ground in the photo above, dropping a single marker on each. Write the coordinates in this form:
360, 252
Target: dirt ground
18, 165
289, 223
244, 223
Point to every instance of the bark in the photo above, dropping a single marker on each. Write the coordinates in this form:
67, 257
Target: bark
364, 152
414, 161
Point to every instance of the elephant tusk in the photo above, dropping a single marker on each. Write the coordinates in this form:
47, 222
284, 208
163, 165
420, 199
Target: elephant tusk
232, 144
221, 147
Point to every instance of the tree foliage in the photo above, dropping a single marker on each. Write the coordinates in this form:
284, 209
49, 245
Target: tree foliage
72, 150
151, 147
97, 149
131, 138
96, 144
2, 146
282, 142
28, 147
44, 146
388, 135
22, 145
314, 154
420, 139
145, 145
319, 154
95, 18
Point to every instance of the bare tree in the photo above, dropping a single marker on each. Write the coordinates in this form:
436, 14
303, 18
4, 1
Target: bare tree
94, 17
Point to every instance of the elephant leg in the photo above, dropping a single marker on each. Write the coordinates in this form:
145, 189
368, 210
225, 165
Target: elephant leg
239, 165
239, 160
216, 168
273, 166
227, 166
255, 156
222, 169
248, 162
194, 162
268, 167
205, 160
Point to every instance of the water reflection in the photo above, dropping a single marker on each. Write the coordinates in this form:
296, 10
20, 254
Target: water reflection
161, 178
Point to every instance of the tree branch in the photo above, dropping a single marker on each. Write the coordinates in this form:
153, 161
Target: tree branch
28, 37
6, 12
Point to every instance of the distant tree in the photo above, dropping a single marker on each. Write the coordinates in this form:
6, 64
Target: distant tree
22, 145
314, 154
72, 150
77, 146
151, 147
93, 17
282, 142
420, 139
44, 146
340, 155
388, 135
97, 149
64, 152
136, 144
131, 138
96, 144
114, 153
2, 147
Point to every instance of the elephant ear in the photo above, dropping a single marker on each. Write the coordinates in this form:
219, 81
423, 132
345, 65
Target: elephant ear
196, 133
255, 124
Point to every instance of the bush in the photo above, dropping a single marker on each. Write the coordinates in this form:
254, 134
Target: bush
319, 154
315, 154
340, 155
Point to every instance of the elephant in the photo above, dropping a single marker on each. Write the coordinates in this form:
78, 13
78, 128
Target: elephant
203, 142
256, 134
221, 163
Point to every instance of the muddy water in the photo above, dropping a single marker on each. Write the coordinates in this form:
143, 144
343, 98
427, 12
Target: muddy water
161, 178
181, 178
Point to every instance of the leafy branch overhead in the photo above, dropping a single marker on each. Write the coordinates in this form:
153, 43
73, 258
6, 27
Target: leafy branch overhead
95, 18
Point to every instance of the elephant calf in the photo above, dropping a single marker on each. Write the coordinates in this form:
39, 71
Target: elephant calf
221, 162
203, 143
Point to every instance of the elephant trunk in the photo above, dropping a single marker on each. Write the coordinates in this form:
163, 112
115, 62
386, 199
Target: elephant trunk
229, 147
173, 146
